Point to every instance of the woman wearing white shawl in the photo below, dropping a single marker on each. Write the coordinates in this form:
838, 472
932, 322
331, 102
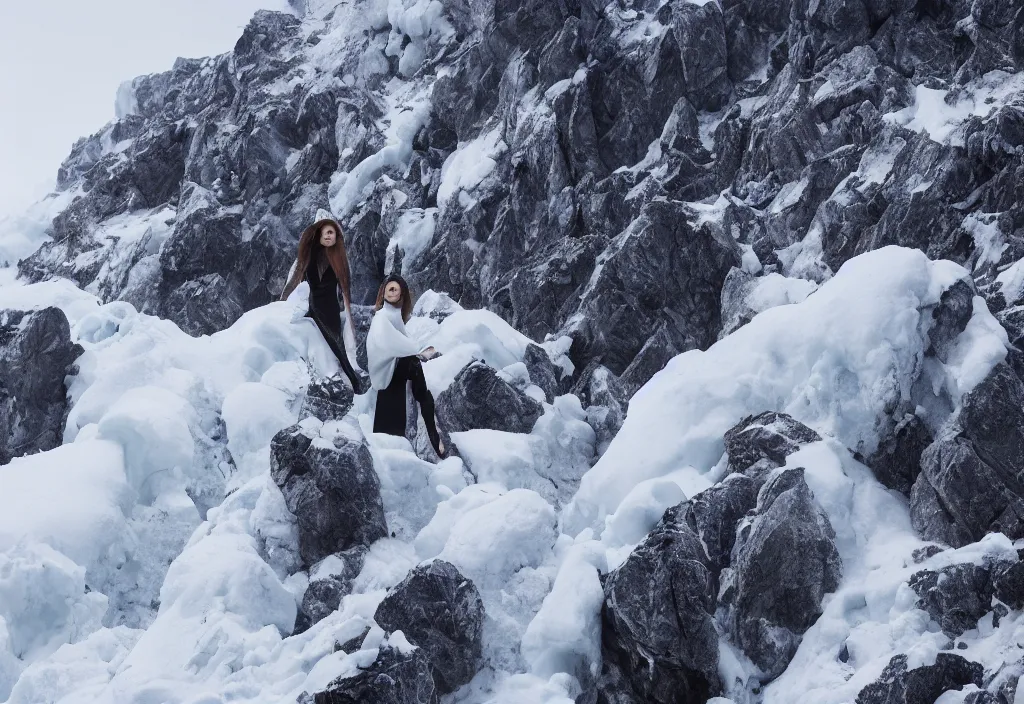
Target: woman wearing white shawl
394, 361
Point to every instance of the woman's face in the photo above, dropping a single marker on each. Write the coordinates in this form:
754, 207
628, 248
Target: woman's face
328, 235
393, 293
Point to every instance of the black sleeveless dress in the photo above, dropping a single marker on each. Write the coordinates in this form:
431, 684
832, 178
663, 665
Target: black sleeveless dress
325, 310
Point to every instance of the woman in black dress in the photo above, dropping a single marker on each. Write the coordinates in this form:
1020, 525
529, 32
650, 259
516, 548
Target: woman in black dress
395, 361
322, 262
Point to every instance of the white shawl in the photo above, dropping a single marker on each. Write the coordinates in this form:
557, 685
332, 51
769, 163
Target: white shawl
387, 342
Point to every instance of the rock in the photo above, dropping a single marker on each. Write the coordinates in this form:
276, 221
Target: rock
352, 644
332, 488
955, 596
784, 562
479, 398
659, 642
770, 436
327, 399
899, 685
950, 318
36, 354
330, 581
605, 401
713, 514
969, 482
897, 461
393, 678
440, 611
543, 371
1008, 584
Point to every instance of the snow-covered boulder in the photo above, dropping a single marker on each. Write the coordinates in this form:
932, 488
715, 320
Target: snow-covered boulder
768, 438
331, 487
714, 513
330, 580
784, 563
398, 675
36, 354
955, 596
439, 611
902, 684
479, 398
659, 638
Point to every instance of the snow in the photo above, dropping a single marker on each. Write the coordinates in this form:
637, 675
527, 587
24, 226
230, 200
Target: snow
1011, 281
469, 165
939, 113
835, 362
413, 234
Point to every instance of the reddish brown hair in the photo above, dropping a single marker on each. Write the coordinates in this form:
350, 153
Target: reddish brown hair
406, 295
309, 242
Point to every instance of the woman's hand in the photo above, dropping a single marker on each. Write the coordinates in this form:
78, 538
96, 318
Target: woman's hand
429, 353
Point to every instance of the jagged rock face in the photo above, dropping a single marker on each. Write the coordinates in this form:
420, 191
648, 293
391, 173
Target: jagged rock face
765, 440
36, 354
440, 611
784, 562
659, 642
899, 685
970, 477
479, 398
331, 581
543, 371
327, 399
393, 678
332, 489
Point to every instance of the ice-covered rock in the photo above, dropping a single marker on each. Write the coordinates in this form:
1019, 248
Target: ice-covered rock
327, 399
479, 398
396, 676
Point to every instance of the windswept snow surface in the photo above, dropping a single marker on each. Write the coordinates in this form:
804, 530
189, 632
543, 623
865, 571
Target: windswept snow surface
161, 501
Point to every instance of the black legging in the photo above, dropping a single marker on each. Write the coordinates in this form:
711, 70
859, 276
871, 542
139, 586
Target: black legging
390, 415
336, 341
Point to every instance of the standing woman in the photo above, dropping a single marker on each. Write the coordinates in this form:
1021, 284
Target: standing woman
395, 359
323, 263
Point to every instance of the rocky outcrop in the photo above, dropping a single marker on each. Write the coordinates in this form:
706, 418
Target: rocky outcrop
784, 562
479, 398
543, 371
605, 401
955, 596
714, 513
897, 461
439, 611
36, 354
659, 642
970, 476
331, 487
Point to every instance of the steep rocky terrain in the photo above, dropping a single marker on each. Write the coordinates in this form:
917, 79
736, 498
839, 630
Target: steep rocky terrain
728, 292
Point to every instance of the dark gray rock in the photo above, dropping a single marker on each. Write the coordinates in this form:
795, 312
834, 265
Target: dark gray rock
333, 491
898, 685
327, 399
659, 642
605, 401
714, 513
327, 588
479, 398
770, 436
897, 461
393, 678
543, 371
1008, 583
440, 611
955, 596
970, 481
784, 562
36, 355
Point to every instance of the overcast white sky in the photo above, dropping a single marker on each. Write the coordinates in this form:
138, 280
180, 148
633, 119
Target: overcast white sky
61, 62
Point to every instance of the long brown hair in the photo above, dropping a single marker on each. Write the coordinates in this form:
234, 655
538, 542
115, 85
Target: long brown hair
406, 295
309, 243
